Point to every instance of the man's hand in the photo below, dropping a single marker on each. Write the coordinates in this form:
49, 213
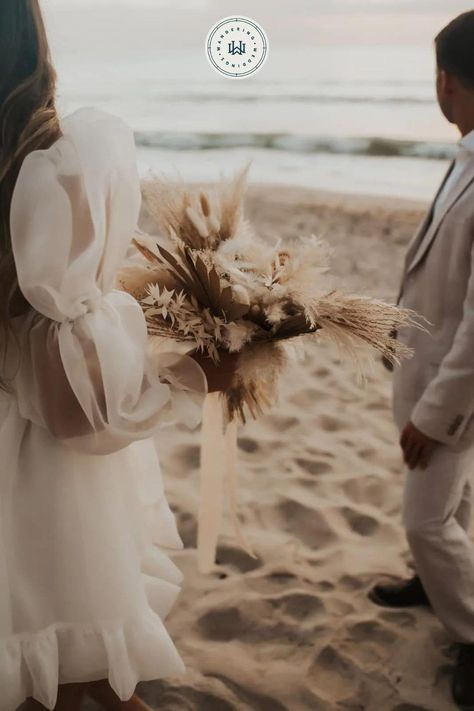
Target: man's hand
417, 447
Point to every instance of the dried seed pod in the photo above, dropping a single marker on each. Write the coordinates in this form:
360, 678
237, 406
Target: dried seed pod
205, 206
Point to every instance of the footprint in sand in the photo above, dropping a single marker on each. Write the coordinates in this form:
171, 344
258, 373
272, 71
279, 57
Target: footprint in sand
400, 619
165, 695
377, 405
325, 586
314, 466
307, 524
360, 523
366, 488
336, 675
248, 444
237, 558
307, 399
298, 605
330, 424
278, 423
223, 624
321, 372
367, 453
350, 582
281, 576
253, 624
373, 631
249, 699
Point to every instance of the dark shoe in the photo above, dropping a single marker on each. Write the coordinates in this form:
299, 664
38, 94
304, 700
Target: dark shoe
463, 679
403, 593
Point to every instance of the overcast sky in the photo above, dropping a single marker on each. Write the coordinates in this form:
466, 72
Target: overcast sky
171, 24
291, 6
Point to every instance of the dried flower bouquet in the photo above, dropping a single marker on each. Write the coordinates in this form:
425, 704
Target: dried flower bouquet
208, 280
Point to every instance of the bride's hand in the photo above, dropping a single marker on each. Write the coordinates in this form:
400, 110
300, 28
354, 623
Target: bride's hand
219, 375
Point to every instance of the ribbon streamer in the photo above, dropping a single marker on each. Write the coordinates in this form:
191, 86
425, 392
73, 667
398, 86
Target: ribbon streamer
218, 476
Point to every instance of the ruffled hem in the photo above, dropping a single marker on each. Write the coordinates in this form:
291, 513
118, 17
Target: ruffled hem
124, 651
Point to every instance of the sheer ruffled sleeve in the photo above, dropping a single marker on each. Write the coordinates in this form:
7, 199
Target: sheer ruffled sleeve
87, 372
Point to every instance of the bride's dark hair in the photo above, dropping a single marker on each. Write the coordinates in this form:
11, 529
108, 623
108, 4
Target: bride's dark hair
28, 121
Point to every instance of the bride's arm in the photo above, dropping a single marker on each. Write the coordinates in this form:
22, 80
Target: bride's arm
43, 390
69, 390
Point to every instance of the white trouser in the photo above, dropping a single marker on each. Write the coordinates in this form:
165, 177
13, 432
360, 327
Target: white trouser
436, 514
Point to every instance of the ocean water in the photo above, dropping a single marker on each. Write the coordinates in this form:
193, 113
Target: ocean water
353, 118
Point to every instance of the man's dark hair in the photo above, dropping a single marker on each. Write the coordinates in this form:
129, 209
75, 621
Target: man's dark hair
455, 48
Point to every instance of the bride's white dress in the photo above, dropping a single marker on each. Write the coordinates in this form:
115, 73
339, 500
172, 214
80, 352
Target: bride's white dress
85, 579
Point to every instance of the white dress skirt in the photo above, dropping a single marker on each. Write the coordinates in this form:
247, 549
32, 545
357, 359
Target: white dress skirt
85, 527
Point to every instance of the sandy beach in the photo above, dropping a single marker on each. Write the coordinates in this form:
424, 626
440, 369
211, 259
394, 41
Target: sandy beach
320, 498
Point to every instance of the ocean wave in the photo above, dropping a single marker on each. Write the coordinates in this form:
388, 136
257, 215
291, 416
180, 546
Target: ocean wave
307, 98
375, 146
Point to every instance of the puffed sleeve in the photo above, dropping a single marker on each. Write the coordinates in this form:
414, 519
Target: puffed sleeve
86, 370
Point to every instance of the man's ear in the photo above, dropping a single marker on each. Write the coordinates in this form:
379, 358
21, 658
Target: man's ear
441, 79
448, 82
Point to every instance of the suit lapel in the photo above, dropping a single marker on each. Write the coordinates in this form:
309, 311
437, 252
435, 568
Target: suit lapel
420, 233
425, 225
465, 180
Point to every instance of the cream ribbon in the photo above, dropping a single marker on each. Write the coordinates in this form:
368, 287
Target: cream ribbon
218, 478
